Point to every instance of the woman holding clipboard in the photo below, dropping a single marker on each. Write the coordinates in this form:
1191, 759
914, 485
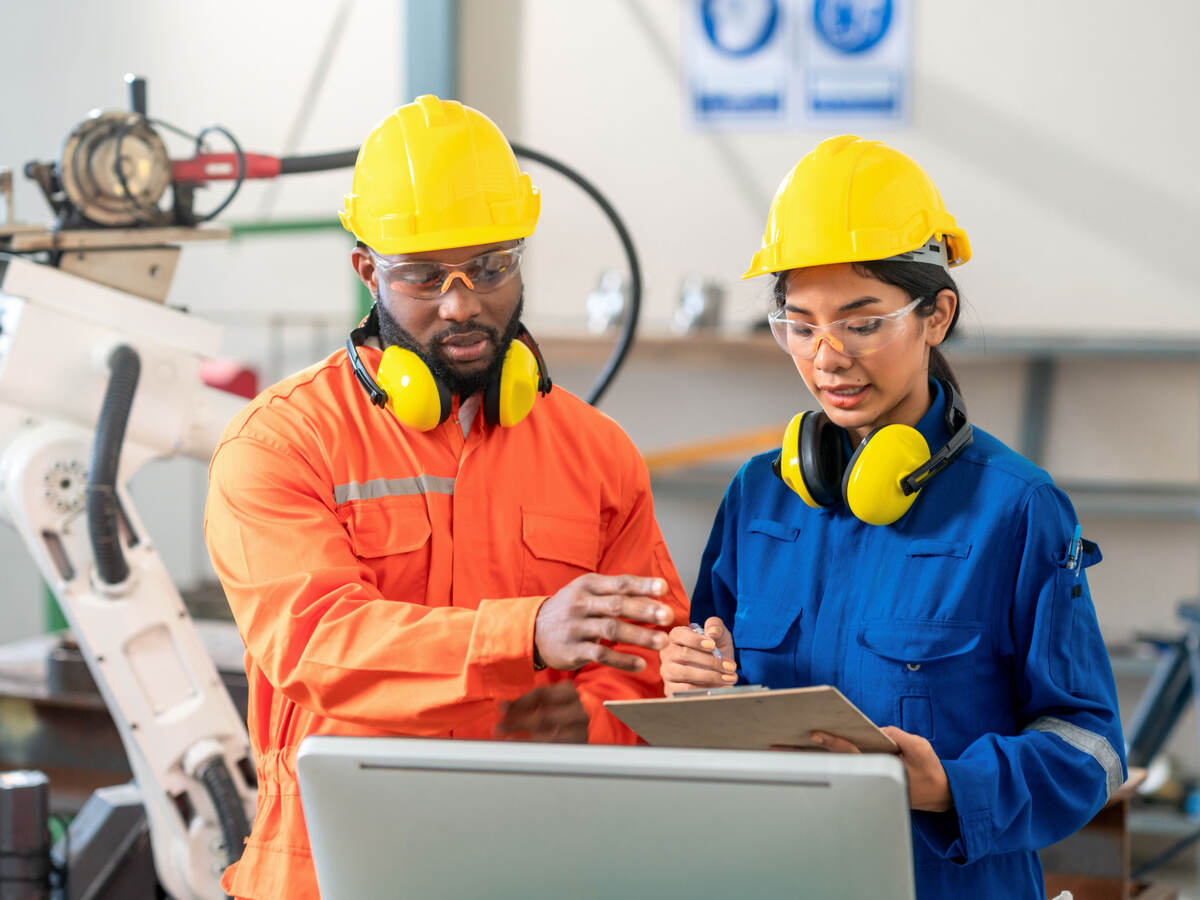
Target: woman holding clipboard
895, 551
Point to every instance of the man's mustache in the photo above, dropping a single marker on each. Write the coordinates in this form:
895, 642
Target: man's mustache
467, 328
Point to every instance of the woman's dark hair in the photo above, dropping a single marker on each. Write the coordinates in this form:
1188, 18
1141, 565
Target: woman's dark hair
917, 279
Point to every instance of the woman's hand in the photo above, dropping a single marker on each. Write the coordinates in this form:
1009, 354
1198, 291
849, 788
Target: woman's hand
928, 787
688, 662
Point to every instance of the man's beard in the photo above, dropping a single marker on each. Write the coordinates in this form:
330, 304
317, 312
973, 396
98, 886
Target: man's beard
461, 384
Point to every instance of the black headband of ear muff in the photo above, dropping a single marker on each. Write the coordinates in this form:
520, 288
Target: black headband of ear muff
823, 458
545, 385
961, 435
370, 328
358, 336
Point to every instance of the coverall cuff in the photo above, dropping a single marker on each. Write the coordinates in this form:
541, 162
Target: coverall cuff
505, 655
962, 834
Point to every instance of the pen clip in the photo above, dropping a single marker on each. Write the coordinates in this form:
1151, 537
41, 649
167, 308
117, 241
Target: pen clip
1075, 551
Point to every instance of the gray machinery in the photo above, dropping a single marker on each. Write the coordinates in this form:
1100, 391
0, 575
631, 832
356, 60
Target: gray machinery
94, 383
96, 379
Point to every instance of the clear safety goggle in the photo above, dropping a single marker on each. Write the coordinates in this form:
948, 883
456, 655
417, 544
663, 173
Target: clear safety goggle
428, 278
857, 336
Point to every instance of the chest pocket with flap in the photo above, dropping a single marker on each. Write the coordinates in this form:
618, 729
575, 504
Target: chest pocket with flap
763, 556
910, 667
393, 540
556, 549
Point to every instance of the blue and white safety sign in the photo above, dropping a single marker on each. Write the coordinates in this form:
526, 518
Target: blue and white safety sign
740, 68
805, 64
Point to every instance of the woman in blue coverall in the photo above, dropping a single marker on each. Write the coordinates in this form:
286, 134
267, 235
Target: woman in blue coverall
926, 570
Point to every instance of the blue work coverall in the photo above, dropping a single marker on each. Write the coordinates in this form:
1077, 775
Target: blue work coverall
966, 622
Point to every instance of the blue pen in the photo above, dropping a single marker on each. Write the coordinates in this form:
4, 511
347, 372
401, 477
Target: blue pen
1075, 551
700, 631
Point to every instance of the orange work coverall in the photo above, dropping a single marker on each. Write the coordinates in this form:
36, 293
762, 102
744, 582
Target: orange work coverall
386, 581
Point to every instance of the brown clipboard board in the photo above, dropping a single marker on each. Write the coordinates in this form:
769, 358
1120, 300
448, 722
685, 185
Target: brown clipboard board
751, 719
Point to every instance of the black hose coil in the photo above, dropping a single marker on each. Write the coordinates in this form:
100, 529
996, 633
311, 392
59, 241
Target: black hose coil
231, 815
103, 509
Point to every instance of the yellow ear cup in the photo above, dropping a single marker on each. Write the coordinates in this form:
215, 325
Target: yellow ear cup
518, 387
415, 396
789, 460
872, 483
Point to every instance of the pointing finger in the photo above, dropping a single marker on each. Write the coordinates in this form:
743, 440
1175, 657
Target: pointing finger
623, 607
628, 585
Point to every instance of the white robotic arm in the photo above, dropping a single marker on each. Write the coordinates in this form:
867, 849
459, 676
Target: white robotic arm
187, 745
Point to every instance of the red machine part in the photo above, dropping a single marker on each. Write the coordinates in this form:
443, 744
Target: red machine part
231, 376
223, 167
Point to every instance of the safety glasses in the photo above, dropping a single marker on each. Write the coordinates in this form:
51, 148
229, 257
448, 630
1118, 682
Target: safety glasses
859, 336
426, 278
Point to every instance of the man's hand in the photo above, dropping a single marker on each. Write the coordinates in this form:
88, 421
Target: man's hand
688, 662
928, 786
549, 712
571, 625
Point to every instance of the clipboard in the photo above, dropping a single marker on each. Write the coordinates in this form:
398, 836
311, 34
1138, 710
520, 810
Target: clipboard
751, 718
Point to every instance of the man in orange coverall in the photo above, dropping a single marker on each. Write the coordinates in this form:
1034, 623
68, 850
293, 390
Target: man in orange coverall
471, 559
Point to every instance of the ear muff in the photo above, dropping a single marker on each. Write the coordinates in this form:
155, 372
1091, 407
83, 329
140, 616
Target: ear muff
787, 464
509, 398
873, 485
419, 399
812, 459
414, 395
881, 479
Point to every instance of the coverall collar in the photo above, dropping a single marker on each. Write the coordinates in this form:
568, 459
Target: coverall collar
932, 425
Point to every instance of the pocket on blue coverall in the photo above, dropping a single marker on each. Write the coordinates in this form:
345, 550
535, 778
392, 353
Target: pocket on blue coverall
1070, 662
763, 555
911, 667
763, 654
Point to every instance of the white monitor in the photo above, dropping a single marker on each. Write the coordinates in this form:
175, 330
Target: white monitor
409, 817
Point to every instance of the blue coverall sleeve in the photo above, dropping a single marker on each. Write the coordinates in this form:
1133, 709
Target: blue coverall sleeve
1025, 791
716, 585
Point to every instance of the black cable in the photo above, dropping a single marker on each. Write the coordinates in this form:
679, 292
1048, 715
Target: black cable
103, 510
175, 128
238, 179
198, 141
629, 327
320, 162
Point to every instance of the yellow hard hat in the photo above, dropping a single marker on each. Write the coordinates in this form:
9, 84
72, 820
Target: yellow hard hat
853, 200
436, 174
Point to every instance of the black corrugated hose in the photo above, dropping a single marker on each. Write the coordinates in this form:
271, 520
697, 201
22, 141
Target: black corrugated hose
231, 815
102, 508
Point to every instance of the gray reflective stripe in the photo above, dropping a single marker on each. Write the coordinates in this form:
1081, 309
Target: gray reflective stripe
1094, 745
392, 487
